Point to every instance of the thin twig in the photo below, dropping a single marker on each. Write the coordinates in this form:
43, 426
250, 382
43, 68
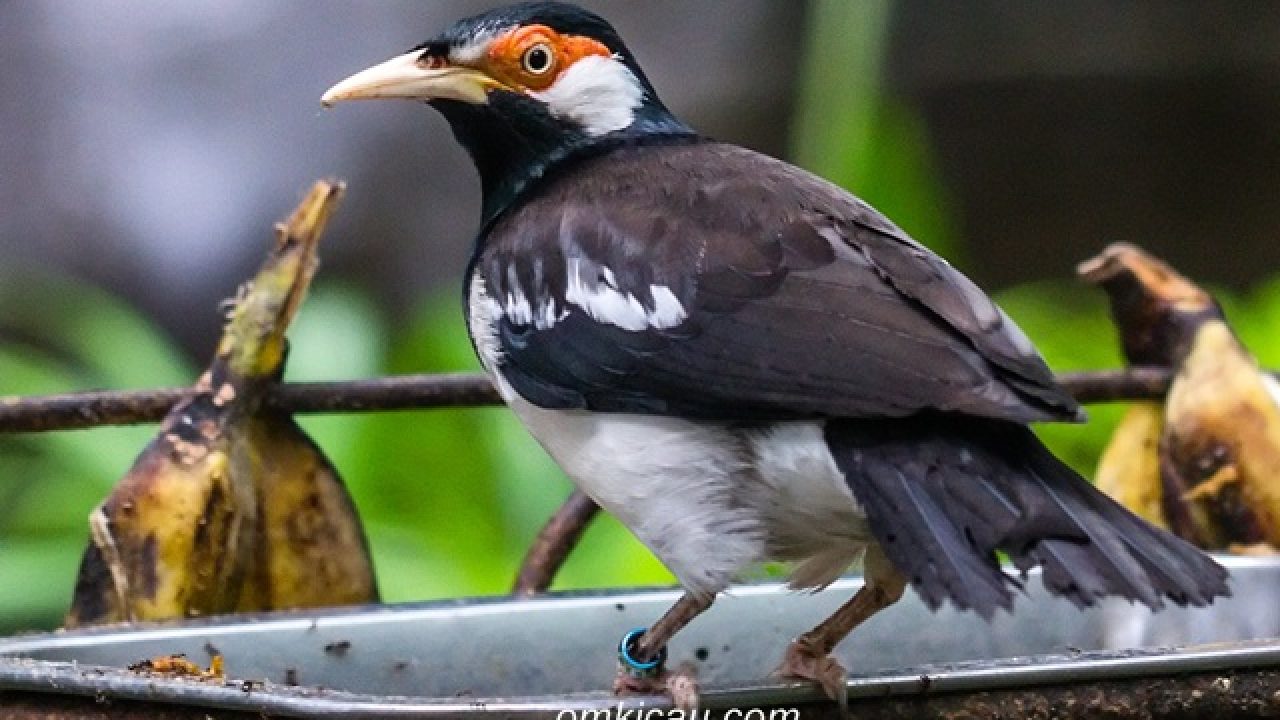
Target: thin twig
413, 392
86, 409
401, 392
553, 544
1101, 386
129, 407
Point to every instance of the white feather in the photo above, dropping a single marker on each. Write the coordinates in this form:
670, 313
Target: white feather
517, 307
600, 300
805, 502
603, 302
483, 312
547, 316
667, 310
599, 93
672, 482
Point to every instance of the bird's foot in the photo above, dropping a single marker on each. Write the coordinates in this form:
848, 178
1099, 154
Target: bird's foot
652, 678
806, 660
681, 686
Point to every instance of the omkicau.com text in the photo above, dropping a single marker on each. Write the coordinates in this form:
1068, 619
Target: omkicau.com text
662, 713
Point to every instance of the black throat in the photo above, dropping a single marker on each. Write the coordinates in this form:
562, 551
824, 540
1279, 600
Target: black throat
515, 143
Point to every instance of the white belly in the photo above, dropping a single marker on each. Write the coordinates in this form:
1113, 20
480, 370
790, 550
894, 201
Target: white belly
805, 502
709, 500
671, 482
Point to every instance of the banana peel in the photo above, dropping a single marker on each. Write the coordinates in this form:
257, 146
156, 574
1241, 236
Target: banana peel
1221, 447
312, 550
1206, 462
1129, 469
172, 538
232, 507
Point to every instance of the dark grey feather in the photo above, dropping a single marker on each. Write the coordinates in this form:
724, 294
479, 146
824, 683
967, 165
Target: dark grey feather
942, 495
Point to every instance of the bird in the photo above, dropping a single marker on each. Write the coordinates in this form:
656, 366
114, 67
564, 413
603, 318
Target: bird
745, 363
1209, 465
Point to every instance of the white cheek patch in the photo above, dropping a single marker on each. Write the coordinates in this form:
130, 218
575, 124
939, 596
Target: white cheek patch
598, 296
599, 93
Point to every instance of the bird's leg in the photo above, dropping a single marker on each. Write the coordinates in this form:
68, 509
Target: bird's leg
642, 655
809, 656
553, 544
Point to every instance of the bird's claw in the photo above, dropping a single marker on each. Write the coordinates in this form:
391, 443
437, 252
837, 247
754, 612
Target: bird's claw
805, 661
681, 686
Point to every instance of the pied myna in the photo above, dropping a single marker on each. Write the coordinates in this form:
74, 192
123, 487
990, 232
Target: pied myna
745, 363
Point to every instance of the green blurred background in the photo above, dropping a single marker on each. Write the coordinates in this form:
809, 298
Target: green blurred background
451, 499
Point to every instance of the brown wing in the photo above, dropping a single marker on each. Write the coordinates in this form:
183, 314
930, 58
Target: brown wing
710, 281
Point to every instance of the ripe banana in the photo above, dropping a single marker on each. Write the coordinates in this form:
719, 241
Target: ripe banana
231, 507
1218, 453
1129, 469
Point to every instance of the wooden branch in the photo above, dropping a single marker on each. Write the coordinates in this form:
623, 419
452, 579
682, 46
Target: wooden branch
1101, 386
414, 392
404, 392
553, 544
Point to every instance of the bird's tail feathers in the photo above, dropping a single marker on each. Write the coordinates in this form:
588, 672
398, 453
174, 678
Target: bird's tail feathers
942, 495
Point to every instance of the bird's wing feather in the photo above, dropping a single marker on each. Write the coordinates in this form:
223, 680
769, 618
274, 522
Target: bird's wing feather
714, 282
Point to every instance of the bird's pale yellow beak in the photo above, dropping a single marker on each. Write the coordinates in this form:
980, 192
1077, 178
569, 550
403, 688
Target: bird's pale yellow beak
405, 77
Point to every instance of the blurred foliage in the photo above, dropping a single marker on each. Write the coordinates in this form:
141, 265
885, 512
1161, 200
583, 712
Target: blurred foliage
850, 131
56, 335
451, 498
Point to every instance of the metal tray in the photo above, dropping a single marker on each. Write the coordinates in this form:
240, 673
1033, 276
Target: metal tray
538, 657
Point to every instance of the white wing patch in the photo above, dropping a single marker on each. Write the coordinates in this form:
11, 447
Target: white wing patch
599, 93
597, 294
590, 287
515, 306
667, 310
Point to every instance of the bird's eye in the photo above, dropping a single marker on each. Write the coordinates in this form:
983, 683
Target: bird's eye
537, 59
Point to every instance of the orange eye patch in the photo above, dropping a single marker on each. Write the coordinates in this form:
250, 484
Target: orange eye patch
533, 56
